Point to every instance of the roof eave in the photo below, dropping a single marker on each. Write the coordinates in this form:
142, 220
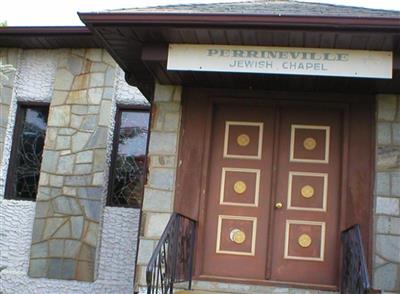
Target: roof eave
242, 20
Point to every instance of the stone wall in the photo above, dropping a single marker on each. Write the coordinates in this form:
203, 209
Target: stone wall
69, 200
160, 187
386, 274
86, 85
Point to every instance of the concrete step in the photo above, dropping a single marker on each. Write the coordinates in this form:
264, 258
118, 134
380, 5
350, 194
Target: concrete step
197, 292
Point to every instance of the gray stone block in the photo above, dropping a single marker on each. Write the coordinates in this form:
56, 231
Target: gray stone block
396, 184
388, 225
388, 247
388, 206
382, 185
387, 277
74, 64
162, 143
39, 250
66, 164
37, 268
161, 178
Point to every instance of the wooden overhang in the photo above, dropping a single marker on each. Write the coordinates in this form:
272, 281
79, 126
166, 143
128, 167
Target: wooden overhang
48, 37
139, 43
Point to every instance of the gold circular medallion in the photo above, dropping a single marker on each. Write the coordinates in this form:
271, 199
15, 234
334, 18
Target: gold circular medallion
304, 240
309, 143
307, 191
237, 236
240, 187
243, 140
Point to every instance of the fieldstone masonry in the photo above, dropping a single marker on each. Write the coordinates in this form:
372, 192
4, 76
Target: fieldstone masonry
159, 191
69, 201
7, 56
387, 192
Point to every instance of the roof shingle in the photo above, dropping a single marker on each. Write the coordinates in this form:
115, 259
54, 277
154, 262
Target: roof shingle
267, 7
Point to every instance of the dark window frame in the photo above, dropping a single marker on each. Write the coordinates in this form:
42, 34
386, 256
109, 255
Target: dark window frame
18, 125
114, 152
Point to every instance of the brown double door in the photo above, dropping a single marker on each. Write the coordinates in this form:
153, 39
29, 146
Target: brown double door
273, 194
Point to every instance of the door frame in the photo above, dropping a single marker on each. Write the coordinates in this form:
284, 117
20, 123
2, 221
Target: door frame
191, 201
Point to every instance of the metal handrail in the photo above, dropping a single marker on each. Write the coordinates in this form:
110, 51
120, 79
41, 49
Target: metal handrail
172, 259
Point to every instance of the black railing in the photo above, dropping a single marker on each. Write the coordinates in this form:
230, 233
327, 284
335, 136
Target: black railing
354, 273
172, 259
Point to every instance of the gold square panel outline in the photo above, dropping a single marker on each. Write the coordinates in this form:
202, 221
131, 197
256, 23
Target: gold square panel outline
310, 223
253, 235
260, 126
327, 130
324, 192
244, 170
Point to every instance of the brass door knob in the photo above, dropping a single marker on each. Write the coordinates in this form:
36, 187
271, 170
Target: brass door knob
278, 205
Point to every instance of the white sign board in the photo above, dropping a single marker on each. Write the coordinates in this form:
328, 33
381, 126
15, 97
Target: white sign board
281, 60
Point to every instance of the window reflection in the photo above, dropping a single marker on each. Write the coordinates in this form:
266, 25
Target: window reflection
128, 167
26, 158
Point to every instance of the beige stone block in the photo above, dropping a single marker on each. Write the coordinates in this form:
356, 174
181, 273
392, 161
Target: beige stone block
108, 59
44, 179
162, 161
164, 92
70, 191
84, 157
79, 141
94, 95
172, 121
96, 80
91, 234
105, 113
63, 142
56, 181
177, 94
162, 143
140, 276
59, 97
78, 52
77, 97
76, 121
94, 54
146, 248
63, 80
98, 179
51, 137
387, 107
155, 224
81, 82
157, 200
59, 116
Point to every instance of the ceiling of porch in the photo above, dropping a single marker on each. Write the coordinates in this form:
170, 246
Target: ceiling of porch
138, 40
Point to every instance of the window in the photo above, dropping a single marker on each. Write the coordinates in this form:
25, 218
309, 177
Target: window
26, 154
128, 166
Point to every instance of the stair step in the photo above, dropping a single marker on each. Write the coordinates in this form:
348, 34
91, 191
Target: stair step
197, 292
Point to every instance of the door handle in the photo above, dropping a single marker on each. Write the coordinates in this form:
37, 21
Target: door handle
278, 205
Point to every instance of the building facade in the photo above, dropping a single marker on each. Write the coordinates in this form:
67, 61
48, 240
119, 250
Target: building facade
105, 134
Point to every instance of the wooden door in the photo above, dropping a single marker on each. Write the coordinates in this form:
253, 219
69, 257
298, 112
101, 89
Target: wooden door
306, 241
236, 222
272, 198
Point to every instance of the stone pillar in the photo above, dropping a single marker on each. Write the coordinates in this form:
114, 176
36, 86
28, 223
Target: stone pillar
69, 201
160, 187
386, 273
7, 56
